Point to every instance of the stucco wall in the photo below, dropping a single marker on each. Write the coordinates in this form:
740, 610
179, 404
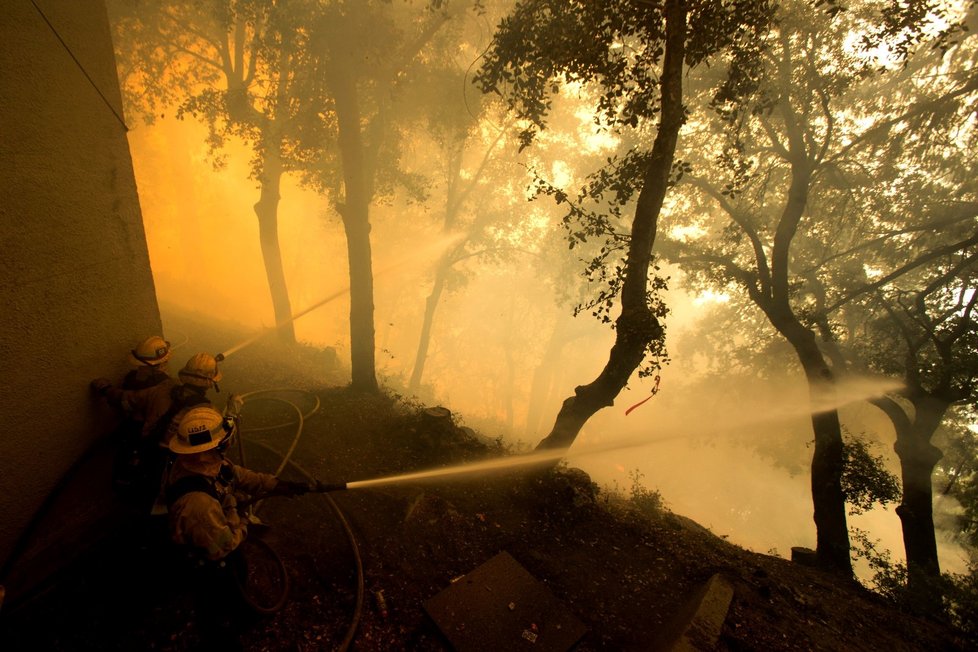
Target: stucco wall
75, 283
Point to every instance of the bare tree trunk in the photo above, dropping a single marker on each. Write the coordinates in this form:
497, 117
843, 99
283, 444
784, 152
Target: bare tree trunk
509, 393
636, 327
356, 222
918, 457
828, 458
267, 212
362, 336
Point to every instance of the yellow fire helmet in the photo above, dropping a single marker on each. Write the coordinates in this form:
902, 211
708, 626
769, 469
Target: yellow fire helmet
201, 370
152, 351
201, 429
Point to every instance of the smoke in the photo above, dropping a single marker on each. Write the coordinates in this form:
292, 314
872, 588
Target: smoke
202, 234
730, 453
737, 459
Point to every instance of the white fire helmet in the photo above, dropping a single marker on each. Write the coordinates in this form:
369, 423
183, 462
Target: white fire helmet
201, 429
201, 370
152, 351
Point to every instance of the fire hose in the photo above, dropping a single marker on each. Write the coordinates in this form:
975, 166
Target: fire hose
316, 486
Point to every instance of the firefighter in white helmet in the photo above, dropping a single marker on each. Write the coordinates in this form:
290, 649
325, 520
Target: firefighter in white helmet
202, 493
203, 486
149, 359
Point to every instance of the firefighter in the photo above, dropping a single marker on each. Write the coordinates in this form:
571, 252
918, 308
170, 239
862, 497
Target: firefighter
203, 486
133, 398
197, 377
202, 493
149, 360
162, 405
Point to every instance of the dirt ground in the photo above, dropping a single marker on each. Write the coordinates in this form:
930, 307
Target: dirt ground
623, 571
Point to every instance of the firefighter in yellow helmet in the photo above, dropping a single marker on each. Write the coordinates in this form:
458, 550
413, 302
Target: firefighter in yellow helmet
150, 355
201, 371
135, 399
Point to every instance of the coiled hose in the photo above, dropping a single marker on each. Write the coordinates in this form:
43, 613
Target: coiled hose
287, 460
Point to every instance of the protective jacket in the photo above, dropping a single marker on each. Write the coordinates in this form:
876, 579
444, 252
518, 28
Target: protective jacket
202, 494
134, 396
153, 403
143, 377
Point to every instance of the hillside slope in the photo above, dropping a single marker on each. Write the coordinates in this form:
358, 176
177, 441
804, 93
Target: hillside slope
622, 570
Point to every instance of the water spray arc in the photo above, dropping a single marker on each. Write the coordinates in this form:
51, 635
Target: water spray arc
251, 340
419, 254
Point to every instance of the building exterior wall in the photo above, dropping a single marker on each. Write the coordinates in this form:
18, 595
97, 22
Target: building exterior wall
76, 290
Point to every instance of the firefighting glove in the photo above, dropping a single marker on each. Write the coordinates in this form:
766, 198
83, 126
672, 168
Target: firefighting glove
234, 405
101, 385
289, 488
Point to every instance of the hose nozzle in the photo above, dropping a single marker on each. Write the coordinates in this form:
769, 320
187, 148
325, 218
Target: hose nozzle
326, 487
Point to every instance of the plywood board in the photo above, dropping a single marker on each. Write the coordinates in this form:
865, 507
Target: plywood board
500, 606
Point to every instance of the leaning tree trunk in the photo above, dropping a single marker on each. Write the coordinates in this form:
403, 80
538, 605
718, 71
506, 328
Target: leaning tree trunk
636, 327
267, 212
356, 223
543, 376
431, 305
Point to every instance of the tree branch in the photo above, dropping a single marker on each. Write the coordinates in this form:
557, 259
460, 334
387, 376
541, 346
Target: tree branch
926, 258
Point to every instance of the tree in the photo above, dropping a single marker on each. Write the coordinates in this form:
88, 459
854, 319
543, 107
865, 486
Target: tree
913, 319
485, 208
796, 142
468, 213
237, 65
366, 54
778, 136
314, 87
636, 53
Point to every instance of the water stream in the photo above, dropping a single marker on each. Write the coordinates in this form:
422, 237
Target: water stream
463, 469
511, 462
